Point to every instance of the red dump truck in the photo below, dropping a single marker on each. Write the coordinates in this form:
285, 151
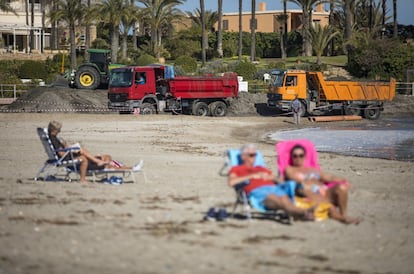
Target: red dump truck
319, 96
153, 89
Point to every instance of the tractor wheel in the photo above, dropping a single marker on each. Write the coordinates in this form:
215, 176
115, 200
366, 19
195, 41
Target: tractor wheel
372, 112
87, 78
147, 109
218, 109
200, 109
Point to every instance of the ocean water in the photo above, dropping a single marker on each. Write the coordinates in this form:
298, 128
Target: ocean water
387, 139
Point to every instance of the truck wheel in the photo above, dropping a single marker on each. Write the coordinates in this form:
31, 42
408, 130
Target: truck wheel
87, 78
147, 109
372, 112
200, 109
352, 110
218, 109
303, 110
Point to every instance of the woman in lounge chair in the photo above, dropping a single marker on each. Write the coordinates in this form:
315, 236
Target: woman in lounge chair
262, 187
88, 161
320, 186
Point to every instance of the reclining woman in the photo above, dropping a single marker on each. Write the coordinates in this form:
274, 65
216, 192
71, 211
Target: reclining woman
88, 160
262, 186
320, 186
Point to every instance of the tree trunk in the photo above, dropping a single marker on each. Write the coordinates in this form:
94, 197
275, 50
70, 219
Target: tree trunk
348, 19
285, 30
125, 44
32, 40
305, 29
73, 64
203, 33
394, 9
43, 9
134, 36
114, 43
220, 29
384, 11
26, 6
87, 34
253, 32
331, 23
53, 29
240, 51
308, 38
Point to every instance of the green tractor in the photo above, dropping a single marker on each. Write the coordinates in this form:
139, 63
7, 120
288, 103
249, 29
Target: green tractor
95, 72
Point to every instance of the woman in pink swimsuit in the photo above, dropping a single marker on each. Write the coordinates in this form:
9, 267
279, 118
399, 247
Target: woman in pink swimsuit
320, 186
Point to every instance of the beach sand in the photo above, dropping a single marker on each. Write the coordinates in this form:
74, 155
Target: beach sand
157, 227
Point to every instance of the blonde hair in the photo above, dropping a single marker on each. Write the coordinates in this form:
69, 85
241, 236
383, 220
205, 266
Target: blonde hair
54, 125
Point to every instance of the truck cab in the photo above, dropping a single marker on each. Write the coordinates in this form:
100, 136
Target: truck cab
284, 86
136, 87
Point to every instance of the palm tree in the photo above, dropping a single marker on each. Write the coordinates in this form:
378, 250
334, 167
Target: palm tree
320, 38
253, 32
307, 6
71, 12
384, 11
331, 23
134, 30
5, 6
32, 40
282, 18
285, 30
394, 10
240, 51
159, 14
220, 28
348, 18
111, 12
203, 32
210, 19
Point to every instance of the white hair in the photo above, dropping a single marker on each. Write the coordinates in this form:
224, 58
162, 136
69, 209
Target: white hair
247, 147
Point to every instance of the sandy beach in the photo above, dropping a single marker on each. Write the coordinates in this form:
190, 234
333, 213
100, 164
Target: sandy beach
157, 226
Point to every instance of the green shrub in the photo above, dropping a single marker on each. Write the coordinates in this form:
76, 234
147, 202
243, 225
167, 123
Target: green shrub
33, 70
145, 60
187, 63
276, 65
246, 69
100, 43
316, 67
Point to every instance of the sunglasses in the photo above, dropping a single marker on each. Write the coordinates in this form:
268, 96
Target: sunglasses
251, 155
295, 156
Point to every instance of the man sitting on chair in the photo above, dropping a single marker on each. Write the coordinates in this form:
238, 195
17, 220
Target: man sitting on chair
87, 160
262, 187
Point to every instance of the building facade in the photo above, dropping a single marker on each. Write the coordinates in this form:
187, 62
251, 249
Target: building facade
267, 21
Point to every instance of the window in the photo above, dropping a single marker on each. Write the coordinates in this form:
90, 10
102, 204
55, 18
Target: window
253, 24
291, 81
225, 24
140, 78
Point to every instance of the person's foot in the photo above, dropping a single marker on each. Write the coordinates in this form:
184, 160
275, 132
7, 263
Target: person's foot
85, 183
309, 214
352, 221
138, 166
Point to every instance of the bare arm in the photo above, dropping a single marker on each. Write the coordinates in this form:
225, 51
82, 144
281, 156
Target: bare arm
233, 179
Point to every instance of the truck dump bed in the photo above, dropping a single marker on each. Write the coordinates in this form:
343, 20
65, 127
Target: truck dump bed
204, 87
352, 91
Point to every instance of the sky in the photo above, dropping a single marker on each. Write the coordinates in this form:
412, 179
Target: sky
405, 8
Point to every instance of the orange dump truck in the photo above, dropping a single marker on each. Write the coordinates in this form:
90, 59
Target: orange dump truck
319, 96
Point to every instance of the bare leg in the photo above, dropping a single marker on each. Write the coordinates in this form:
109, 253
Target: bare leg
91, 157
338, 196
336, 215
83, 169
276, 202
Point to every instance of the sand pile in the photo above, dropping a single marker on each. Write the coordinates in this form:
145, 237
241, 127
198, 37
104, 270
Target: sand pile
61, 99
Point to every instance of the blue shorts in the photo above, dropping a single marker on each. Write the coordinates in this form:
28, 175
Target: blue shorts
259, 195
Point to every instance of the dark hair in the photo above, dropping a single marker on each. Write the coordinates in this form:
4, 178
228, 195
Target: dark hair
297, 146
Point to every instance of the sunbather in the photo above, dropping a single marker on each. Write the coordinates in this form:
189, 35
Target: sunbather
262, 187
320, 186
88, 160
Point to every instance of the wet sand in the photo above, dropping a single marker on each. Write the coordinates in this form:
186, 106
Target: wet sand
157, 227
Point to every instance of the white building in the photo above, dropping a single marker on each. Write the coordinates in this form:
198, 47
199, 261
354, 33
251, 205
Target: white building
15, 29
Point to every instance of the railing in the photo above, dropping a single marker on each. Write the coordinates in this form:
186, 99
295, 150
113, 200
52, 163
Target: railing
9, 92
405, 88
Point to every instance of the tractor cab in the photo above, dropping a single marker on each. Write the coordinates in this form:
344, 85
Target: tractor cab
100, 57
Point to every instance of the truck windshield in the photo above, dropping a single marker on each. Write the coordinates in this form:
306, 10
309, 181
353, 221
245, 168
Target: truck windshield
277, 78
121, 78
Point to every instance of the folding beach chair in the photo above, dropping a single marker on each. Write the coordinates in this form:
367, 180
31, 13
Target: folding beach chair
55, 163
233, 158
